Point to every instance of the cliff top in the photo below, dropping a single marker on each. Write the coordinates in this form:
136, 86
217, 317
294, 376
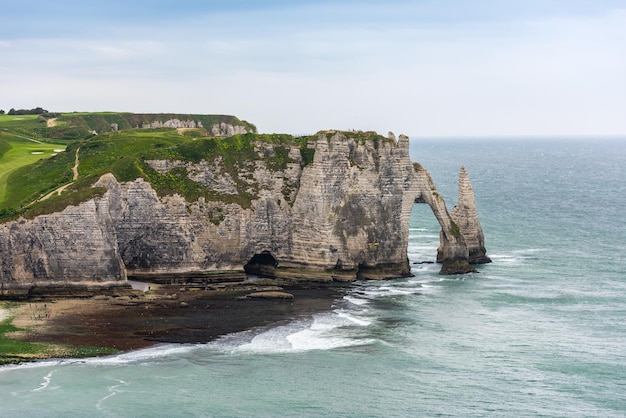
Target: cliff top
33, 162
67, 127
63, 155
50, 160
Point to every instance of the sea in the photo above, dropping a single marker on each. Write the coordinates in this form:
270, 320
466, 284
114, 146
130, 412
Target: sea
540, 332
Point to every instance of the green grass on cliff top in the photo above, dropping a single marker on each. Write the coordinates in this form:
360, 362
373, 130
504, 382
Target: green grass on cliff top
25, 177
124, 153
75, 126
17, 152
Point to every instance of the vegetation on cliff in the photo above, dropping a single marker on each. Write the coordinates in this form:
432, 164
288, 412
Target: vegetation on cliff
67, 127
26, 188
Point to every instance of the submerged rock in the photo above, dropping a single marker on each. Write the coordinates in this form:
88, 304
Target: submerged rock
269, 295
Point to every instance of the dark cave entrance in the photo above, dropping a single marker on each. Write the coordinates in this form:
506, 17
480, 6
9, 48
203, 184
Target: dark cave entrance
263, 265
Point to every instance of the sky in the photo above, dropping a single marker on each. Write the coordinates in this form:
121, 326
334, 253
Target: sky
425, 68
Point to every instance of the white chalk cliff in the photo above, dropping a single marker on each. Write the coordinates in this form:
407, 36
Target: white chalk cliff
341, 214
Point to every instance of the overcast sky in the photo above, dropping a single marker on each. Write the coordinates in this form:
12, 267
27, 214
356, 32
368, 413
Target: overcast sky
422, 67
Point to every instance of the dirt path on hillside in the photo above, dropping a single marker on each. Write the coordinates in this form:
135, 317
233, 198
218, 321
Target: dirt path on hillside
59, 190
51, 123
76, 163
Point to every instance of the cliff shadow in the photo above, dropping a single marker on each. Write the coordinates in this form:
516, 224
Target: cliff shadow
262, 264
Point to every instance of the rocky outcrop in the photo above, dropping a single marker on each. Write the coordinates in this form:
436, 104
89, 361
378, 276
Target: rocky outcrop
335, 208
452, 252
465, 216
217, 129
172, 123
210, 174
227, 129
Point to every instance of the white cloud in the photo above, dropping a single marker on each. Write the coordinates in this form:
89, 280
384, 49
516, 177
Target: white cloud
550, 76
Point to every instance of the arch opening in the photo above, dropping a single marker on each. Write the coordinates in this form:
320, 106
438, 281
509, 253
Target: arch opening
424, 239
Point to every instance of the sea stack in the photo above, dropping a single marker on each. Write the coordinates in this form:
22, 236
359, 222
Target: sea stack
464, 214
334, 206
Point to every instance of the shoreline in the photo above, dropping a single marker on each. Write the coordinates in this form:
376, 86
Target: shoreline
105, 325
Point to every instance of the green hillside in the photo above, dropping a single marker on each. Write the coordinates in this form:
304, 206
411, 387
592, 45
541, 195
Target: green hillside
79, 125
123, 154
37, 178
16, 152
112, 142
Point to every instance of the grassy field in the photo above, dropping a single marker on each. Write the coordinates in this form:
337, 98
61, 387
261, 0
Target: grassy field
21, 121
20, 152
28, 178
14, 350
124, 153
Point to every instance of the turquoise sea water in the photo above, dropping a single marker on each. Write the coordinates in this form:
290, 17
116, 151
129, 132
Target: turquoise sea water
539, 332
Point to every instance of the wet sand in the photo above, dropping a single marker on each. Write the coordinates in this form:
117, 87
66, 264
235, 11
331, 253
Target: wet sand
164, 314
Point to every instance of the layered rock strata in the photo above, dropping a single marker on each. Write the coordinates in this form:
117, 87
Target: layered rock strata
172, 123
340, 215
465, 216
227, 129
217, 129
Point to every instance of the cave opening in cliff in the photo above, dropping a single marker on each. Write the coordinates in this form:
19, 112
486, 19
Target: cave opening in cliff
261, 264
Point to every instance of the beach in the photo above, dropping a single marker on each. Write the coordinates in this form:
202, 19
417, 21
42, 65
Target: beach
160, 314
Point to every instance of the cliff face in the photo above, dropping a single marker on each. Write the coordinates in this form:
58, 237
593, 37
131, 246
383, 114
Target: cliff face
76, 247
466, 217
342, 214
217, 129
74, 126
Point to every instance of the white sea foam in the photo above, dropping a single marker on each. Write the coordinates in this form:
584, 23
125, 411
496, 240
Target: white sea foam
130, 357
142, 355
35, 365
356, 300
355, 320
422, 236
388, 291
46, 382
516, 256
323, 332
421, 247
113, 390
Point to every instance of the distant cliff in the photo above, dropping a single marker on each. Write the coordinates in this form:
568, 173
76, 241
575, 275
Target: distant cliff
335, 206
75, 126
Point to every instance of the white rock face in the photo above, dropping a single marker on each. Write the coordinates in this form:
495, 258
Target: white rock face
172, 123
226, 129
466, 217
343, 215
208, 174
77, 245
